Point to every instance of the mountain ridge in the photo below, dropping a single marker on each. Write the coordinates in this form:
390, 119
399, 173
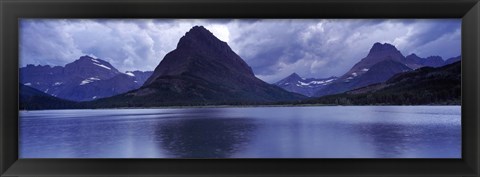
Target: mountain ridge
84, 79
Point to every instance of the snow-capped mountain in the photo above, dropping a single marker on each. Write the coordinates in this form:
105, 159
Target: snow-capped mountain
84, 79
88, 67
304, 86
379, 52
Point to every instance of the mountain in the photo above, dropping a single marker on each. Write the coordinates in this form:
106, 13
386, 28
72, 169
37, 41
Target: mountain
120, 83
84, 79
202, 70
91, 88
378, 52
453, 60
140, 76
377, 73
433, 61
382, 62
31, 99
197, 53
413, 61
87, 67
380, 72
304, 86
423, 86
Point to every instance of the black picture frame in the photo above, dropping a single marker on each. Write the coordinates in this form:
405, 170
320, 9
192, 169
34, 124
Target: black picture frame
12, 10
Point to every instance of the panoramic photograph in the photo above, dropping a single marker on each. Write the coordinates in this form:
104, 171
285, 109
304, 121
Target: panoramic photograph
240, 88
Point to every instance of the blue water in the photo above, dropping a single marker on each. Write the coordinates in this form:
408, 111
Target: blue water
262, 132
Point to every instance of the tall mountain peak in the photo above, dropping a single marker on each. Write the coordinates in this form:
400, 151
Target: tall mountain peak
198, 30
89, 59
379, 47
294, 75
378, 53
86, 57
199, 36
87, 66
197, 53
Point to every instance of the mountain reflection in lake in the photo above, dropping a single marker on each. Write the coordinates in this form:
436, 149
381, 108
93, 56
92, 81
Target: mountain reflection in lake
256, 132
204, 134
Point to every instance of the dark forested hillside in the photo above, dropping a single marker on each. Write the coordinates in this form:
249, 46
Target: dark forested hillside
31, 99
419, 87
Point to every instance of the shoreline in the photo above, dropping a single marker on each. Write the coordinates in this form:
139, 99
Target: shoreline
236, 106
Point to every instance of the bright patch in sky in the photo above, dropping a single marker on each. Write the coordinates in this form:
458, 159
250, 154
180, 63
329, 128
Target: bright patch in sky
220, 31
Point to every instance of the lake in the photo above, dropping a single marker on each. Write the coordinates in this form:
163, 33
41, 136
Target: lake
250, 132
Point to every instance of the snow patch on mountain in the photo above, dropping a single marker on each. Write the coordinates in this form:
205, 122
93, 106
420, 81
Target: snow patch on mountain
103, 66
95, 60
130, 74
314, 82
89, 80
304, 86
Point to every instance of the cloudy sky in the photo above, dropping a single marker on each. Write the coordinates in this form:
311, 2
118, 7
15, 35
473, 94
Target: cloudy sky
274, 48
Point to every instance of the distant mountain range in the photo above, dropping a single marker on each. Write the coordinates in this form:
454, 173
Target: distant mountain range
84, 79
304, 86
203, 70
382, 62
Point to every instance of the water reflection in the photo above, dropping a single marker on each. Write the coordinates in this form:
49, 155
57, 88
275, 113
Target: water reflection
410, 141
204, 134
389, 140
268, 132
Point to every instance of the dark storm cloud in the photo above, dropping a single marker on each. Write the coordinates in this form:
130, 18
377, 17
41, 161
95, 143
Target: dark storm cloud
273, 48
322, 48
421, 38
